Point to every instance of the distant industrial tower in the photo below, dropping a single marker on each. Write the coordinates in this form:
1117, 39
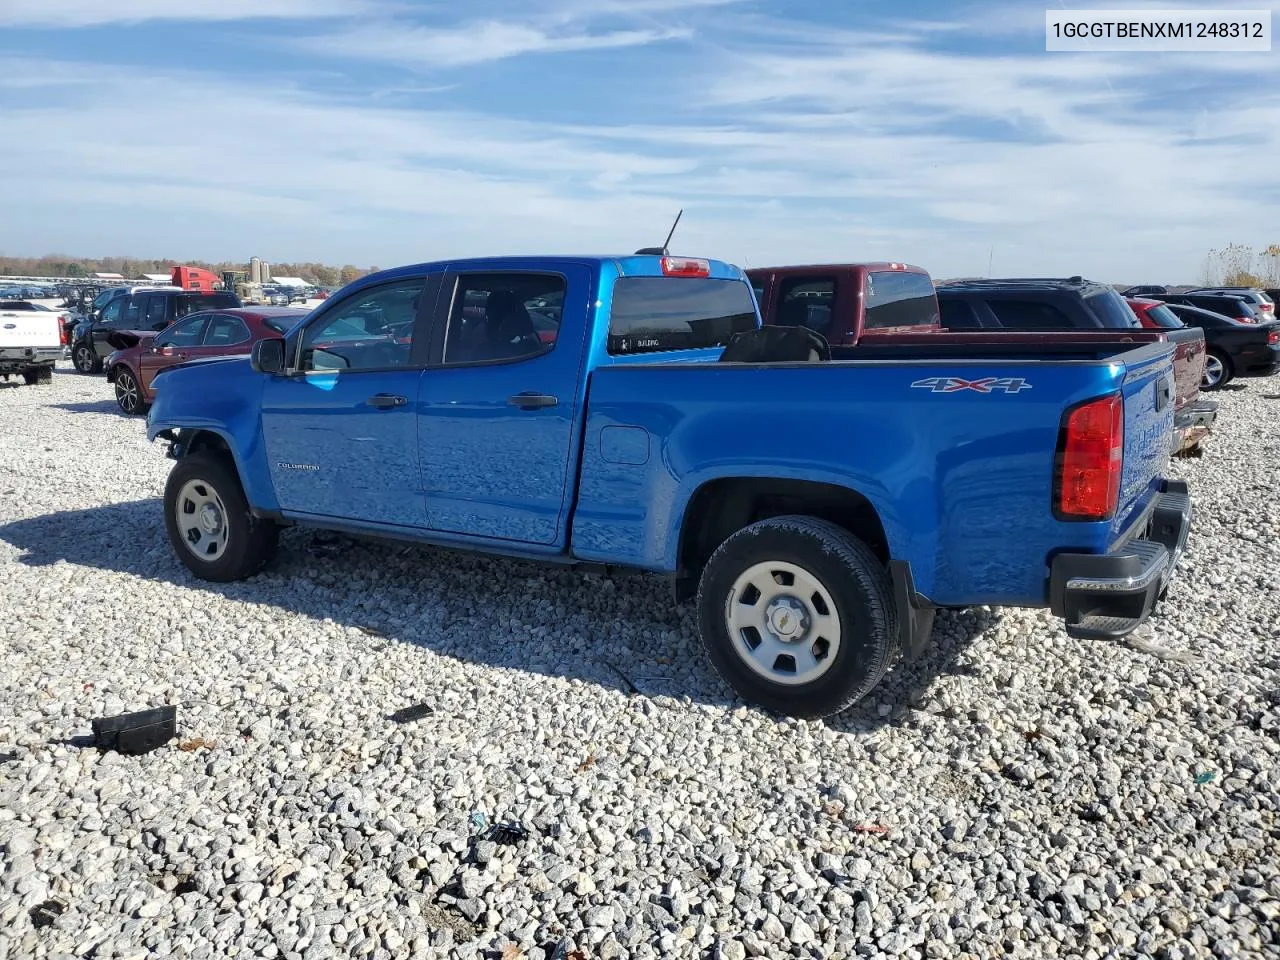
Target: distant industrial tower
255, 270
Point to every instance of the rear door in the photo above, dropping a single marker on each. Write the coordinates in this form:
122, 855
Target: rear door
225, 336
500, 401
341, 429
823, 302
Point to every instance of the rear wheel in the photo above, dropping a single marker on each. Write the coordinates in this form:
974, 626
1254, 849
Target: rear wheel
1217, 371
128, 393
797, 614
85, 360
209, 523
37, 376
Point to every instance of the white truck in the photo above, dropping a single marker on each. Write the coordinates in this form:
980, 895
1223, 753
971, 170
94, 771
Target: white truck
30, 344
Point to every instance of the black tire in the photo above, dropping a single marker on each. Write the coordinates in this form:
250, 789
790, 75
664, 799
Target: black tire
1228, 374
42, 375
128, 392
85, 360
852, 576
251, 543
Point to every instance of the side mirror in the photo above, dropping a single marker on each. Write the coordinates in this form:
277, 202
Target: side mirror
268, 356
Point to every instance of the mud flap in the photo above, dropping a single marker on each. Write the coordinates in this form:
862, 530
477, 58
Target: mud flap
915, 613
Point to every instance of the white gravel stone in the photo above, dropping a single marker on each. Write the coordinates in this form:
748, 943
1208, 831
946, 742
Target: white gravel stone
1016, 793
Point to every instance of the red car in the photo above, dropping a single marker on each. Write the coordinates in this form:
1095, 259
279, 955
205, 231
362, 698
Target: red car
214, 333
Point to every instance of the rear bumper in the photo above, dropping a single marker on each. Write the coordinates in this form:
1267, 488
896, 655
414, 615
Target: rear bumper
17, 359
1265, 368
1110, 595
1193, 424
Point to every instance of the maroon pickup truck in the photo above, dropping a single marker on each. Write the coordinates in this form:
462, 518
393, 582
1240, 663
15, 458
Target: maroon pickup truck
880, 304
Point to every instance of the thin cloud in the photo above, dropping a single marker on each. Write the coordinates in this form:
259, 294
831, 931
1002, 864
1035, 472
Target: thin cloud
427, 48
94, 13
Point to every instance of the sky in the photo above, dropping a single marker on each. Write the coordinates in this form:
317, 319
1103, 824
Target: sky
385, 132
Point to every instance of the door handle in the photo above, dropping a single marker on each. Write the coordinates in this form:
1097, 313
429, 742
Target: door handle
532, 401
386, 400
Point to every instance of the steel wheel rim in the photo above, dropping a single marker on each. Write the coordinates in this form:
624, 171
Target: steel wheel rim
202, 520
783, 623
1213, 371
126, 392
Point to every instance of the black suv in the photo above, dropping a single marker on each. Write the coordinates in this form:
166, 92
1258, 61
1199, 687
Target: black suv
1033, 304
1227, 304
143, 311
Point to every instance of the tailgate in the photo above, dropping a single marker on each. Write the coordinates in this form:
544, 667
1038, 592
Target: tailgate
19, 328
1188, 364
1148, 391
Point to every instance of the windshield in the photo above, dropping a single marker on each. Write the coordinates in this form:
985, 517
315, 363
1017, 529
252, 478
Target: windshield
280, 324
1111, 310
1162, 316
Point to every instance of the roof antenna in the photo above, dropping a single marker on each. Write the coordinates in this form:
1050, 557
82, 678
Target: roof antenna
662, 250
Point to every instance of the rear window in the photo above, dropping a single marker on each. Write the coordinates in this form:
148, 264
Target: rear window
896, 299
652, 314
1111, 310
280, 324
1029, 315
958, 315
1162, 316
205, 301
1228, 306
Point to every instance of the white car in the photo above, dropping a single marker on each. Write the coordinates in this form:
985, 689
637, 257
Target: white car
30, 343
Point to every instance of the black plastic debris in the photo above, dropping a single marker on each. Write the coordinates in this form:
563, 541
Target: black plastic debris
8, 757
136, 733
507, 834
409, 714
43, 914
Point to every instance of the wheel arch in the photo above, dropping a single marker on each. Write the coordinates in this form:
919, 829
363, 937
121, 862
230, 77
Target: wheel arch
258, 491
722, 506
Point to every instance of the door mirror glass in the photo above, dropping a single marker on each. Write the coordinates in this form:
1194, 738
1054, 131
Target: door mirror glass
268, 356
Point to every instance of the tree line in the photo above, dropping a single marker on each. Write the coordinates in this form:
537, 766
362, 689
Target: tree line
1239, 265
61, 265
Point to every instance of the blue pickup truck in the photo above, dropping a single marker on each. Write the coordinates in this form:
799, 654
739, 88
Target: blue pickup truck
583, 410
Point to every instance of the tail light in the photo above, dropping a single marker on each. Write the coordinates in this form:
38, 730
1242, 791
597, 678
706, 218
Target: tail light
64, 330
1090, 460
1273, 337
685, 267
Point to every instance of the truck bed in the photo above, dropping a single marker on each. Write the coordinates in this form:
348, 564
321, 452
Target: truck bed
961, 477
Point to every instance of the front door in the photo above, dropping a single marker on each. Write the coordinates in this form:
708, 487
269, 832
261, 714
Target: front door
496, 434
341, 428
179, 343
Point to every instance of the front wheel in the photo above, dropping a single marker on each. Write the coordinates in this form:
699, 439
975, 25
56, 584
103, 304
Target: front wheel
1217, 371
797, 615
209, 522
128, 393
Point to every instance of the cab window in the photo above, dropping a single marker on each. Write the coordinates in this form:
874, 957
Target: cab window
369, 330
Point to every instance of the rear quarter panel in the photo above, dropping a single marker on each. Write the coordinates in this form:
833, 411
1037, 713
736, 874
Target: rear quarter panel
962, 481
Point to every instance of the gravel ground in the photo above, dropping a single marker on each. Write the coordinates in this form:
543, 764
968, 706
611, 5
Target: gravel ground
1017, 793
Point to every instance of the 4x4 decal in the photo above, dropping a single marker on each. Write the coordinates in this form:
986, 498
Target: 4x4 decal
984, 385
